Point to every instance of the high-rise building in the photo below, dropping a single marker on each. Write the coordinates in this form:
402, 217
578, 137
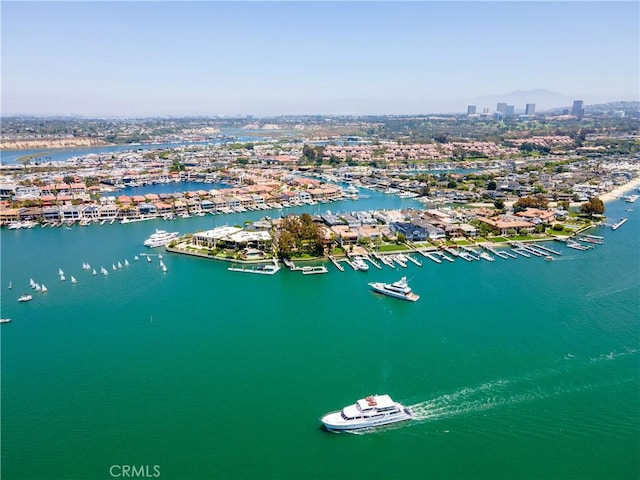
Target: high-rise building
578, 110
510, 111
471, 110
530, 109
501, 108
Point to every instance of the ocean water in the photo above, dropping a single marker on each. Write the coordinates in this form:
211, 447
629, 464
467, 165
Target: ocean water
515, 368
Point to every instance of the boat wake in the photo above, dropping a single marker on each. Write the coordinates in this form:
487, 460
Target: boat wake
571, 375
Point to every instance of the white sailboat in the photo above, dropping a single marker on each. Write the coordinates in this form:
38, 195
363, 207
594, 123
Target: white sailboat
60, 272
44, 289
10, 287
62, 278
126, 262
104, 271
37, 287
135, 258
32, 284
113, 267
94, 273
148, 259
73, 279
163, 266
119, 265
159, 255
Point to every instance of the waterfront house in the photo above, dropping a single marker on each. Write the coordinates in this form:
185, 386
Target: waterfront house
9, 215
69, 213
504, 223
108, 210
90, 212
51, 214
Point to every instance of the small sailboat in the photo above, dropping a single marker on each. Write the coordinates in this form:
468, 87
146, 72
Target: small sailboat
73, 279
10, 287
126, 262
44, 289
104, 271
60, 272
113, 267
32, 284
148, 259
135, 258
37, 288
163, 266
159, 255
119, 265
62, 278
94, 273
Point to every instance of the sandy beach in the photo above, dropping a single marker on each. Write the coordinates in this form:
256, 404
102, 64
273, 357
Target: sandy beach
620, 191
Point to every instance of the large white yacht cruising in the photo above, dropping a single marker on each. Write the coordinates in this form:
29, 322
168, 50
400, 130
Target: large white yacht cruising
371, 411
399, 289
160, 238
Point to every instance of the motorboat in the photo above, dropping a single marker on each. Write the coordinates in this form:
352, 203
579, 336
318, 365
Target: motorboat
5, 320
25, 297
399, 289
360, 264
371, 411
160, 238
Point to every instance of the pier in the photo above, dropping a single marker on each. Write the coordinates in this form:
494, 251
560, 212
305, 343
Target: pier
444, 256
336, 263
497, 253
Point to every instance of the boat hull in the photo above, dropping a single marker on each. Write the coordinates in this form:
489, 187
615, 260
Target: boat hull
411, 297
332, 421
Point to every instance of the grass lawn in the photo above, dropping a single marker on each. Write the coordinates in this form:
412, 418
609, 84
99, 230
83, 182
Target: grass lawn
392, 247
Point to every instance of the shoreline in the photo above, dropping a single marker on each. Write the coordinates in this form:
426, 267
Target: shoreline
619, 191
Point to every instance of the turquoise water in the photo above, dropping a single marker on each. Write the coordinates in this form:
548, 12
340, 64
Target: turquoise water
515, 369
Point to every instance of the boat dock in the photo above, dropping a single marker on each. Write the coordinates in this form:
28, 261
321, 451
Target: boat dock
309, 270
548, 250
577, 246
431, 256
619, 223
451, 251
444, 256
471, 252
399, 261
498, 253
595, 239
373, 262
413, 260
336, 263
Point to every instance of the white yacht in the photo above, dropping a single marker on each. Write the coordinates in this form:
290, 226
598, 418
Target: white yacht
371, 411
25, 298
360, 264
160, 238
399, 289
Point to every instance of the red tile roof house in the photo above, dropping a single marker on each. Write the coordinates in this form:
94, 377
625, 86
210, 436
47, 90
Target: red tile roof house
545, 216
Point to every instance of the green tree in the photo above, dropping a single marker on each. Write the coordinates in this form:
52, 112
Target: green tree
594, 206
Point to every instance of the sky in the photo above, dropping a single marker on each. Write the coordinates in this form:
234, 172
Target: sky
126, 59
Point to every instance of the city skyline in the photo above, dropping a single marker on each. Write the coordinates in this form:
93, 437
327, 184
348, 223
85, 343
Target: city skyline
295, 58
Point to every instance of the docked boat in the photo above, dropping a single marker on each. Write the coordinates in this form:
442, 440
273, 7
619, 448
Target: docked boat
160, 238
371, 411
399, 289
268, 269
360, 264
25, 297
312, 270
